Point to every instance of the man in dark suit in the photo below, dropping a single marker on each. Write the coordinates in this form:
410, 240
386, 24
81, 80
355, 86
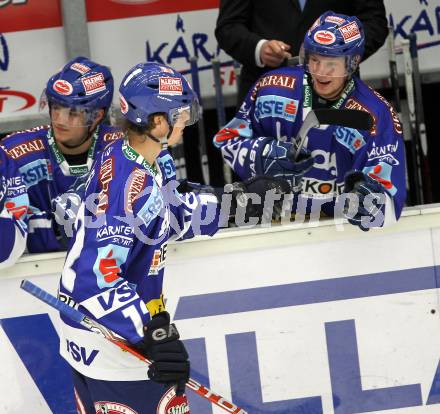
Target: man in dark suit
261, 34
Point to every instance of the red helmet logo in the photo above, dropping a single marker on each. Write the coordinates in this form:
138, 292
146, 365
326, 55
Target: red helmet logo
62, 87
324, 37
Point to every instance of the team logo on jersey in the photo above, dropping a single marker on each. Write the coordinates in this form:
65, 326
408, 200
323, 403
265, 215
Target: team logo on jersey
382, 174
350, 32
235, 128
335, 19
170, 403
384, 153
113, 136
107, 266
153, 206
324, 37
106, 174
158, 260
79, 67
124, 105
136, 184
275, 81
36, 171
16, 210
276, 106
170, 86
349, 138
108, 407
25, 148
94, 84
62, 87
321, 189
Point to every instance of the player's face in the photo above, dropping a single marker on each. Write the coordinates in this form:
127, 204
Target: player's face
329, 75
176, 135
69, 124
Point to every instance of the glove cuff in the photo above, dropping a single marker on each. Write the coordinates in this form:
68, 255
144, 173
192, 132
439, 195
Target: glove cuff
254, 161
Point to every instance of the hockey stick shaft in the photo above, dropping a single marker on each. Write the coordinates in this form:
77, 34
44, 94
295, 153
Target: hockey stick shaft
78, 317
220, 107
201, 124
420, 120
416, 177
394, 76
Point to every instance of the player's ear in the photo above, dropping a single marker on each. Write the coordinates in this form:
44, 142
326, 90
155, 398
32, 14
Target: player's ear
158, 119
99, 116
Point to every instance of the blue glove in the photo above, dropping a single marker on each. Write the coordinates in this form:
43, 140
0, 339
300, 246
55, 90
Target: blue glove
365, 207
276, 159
3, 192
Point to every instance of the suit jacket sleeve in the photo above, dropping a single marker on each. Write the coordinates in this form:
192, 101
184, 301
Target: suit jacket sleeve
372, 14
233, 33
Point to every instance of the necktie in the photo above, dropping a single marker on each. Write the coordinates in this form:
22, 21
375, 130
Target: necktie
302, 4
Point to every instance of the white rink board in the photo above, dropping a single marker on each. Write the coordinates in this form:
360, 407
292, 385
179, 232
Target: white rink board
280, 320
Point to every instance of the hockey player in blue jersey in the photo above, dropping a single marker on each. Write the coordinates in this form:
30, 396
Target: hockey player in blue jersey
51, 158
14, 204
132, 207
357, 173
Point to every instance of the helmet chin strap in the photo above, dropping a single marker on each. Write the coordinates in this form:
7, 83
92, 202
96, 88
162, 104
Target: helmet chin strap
161, 141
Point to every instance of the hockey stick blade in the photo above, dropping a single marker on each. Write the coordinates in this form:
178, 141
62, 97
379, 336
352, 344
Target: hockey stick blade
349, 118
77, 316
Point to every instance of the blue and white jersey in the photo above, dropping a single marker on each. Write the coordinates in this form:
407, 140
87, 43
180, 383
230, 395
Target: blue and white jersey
14, 204
276, 107
115, 263
47, 175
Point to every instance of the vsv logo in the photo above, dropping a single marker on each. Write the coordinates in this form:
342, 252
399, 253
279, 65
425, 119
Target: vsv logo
79, 353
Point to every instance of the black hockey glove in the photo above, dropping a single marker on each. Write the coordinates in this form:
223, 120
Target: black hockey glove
161, 344
365, 207
260, 197
275, 158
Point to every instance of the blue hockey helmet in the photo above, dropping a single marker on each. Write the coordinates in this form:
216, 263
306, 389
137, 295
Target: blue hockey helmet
335, 35
81, 84
150, 88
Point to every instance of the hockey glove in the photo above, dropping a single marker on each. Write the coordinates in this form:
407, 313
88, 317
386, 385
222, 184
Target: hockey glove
365, 205
277, 159
161, 344
260, 197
